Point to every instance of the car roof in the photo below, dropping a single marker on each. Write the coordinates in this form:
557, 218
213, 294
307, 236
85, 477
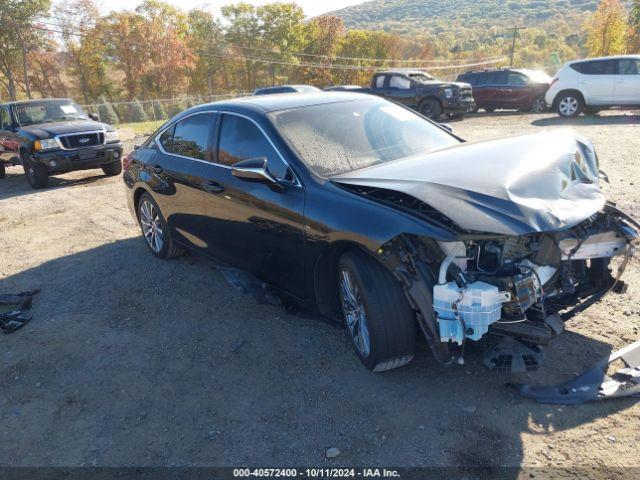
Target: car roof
273, 87
611, 57
408, 71
280, 101
36, 100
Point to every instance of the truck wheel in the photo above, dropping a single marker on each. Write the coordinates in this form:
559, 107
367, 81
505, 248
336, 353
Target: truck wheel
569, 104
37, 174
3, 171
378, 316
112, 169
431, 109
155, 229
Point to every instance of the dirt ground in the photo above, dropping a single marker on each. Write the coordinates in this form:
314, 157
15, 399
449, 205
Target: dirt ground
132, 361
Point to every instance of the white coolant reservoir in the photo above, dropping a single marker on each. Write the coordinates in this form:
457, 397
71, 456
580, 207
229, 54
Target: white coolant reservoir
478, 306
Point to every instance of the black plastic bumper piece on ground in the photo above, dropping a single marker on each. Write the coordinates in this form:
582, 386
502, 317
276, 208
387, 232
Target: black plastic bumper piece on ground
593, 384
12, 321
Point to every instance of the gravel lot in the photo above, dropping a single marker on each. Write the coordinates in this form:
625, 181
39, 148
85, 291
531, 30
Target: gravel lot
131, 361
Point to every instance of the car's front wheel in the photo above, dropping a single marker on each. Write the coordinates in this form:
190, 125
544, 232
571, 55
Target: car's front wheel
112, 169
37, 174
569, 105
538, 105
431, 109
155, 229
377, 314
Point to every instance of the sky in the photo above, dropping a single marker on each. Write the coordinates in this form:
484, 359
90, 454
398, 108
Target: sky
311, 7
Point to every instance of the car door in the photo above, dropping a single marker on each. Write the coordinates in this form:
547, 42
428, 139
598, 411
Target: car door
627, 82
8, 142
399, 89
253, 225
519, 94
487, 90
175, 170
597, 81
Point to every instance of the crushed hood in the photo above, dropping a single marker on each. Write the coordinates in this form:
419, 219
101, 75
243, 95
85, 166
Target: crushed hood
513, 186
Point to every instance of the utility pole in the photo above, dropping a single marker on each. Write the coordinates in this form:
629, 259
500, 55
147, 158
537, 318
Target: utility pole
513, 44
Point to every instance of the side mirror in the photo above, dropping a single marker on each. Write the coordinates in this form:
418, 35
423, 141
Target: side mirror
94, 116
254, 169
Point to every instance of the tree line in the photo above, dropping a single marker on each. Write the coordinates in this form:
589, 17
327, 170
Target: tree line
68, 49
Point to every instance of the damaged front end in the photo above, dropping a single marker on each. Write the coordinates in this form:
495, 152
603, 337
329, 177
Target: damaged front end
522, 287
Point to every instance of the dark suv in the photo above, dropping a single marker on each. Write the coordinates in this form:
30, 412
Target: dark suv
53, 136
419, 90
518, 89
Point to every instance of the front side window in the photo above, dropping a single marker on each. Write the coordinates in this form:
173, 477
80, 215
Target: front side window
517, 80
190, 137
5, 119
340, 137
501, 78
402, 83
628, 66
46, 111
240, 139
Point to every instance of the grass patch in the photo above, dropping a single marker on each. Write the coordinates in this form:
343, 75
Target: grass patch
142, 128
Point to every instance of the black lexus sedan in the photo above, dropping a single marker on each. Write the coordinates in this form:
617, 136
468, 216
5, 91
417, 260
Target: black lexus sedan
383, 219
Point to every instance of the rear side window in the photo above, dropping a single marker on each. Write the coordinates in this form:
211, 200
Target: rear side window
241, 139
595, 67
501, 78
380, 81
628, 66
190, 137
402, 83
517, 79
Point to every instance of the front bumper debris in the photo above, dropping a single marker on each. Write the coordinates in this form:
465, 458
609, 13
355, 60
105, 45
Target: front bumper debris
593, 384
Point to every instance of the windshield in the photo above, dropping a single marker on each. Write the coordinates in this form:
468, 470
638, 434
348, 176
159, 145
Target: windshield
421, 77
341, 137
48, 111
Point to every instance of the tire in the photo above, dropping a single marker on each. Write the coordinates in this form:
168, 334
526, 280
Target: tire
538, 105
3, 170
431, 109
569, 104
112, 169
155, 229
37, 174
371, 297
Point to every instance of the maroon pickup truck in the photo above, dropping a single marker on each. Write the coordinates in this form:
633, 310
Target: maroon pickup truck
512, 88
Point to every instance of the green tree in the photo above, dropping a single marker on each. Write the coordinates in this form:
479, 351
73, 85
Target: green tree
17, 38
633, 45
607, 29
137, 112
159, 111
206, 37
106, 112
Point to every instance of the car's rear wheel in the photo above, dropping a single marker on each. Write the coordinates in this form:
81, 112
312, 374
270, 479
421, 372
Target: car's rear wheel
431, 109
377, 314
112, 169
155, 229
538, 105
37, 174
569, 105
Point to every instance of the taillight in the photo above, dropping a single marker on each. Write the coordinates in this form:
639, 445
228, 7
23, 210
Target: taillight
126, 162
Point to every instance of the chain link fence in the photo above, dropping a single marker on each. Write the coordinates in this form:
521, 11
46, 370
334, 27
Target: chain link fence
136, 111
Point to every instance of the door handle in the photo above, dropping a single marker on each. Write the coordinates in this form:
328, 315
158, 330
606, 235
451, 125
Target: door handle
212, 187
155, 168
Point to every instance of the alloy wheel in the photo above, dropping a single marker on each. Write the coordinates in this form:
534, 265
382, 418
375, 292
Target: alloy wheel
151, 226
354, 313
538, 105
568, 106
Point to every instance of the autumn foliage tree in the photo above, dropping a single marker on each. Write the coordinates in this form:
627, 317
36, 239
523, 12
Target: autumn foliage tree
607, 29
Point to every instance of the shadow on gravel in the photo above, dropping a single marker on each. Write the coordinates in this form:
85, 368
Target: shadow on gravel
133, 361
15, 184
623, 119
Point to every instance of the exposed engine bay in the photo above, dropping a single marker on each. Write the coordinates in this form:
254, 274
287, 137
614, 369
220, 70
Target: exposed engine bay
521, 287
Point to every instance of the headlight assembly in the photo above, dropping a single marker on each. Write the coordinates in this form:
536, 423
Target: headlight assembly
448, 92
111, 136
46, 144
